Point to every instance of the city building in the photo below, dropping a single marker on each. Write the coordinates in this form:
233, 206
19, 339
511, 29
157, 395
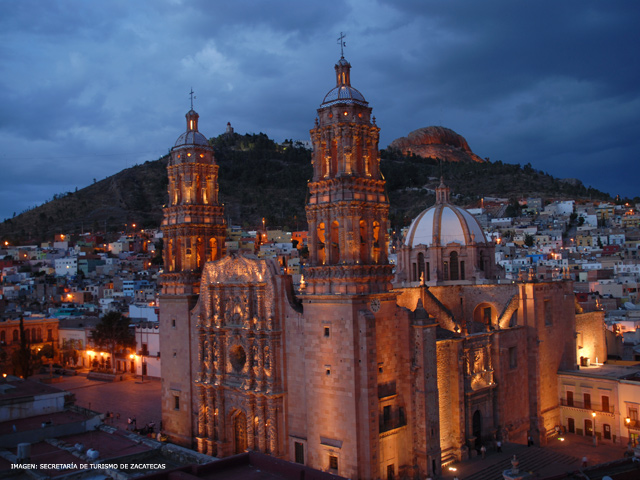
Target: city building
353, 375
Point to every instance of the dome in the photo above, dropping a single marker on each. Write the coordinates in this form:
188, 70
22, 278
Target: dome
443, 224
344, 94
192, 138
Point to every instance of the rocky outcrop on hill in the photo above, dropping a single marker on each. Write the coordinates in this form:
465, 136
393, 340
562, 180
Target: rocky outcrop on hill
436, 142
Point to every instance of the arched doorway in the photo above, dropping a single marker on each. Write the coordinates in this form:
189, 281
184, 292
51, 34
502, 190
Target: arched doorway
477, 428
240, 432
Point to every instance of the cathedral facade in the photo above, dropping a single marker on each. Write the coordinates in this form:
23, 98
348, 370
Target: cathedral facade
364, 373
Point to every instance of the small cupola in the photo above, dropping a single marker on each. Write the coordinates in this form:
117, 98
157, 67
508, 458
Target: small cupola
192, 121
442, 193
343, 73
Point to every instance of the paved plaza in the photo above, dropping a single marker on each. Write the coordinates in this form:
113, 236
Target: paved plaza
128, 398
556, 458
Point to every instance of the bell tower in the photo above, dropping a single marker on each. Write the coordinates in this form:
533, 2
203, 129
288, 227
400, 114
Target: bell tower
194, 228
194, 233
352, 324
348, 208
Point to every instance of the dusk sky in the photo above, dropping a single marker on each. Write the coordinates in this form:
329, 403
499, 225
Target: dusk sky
88, 88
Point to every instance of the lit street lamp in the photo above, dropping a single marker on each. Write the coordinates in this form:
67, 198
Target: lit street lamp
595, 439
627, 422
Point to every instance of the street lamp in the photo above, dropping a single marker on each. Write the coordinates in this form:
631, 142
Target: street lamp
627, 422
595, 439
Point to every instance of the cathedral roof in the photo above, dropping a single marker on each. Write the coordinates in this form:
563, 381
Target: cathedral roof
343, 91
443, 224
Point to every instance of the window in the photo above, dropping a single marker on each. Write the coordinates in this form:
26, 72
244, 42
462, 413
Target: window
605, 403
327, 332
548, 317
513, 357
386, 415
173, 323
587, 400
588, 428
299, 452
333, 462
569, 398
49, 335
486, 314
176, 402
571, 425
633, 413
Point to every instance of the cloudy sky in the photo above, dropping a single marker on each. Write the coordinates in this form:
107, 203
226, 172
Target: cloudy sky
88, 88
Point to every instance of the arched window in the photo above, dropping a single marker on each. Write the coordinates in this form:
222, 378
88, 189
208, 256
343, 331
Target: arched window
363, 241
199, 252
335, 243
171, 259
421, 274
322, 251
3, 336
213, 249
453, 262
376, 241
39, 334
16, 336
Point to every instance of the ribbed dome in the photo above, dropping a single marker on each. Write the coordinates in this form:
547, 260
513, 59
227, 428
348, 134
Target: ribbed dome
344, 94
443, 224
191, 138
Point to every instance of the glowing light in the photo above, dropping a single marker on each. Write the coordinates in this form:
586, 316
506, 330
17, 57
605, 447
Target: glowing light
561, 439
189, 154
202, 155
453, 469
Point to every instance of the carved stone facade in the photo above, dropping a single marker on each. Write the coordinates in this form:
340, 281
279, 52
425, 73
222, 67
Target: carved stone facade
238, 369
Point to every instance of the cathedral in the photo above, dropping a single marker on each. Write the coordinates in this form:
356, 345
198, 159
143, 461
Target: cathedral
368, 372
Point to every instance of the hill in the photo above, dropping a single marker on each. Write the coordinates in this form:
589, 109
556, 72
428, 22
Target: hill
262, 179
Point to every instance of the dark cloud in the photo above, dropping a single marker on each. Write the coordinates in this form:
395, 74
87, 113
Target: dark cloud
90, 88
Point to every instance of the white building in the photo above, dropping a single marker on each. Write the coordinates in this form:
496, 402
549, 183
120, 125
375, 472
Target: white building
66, 266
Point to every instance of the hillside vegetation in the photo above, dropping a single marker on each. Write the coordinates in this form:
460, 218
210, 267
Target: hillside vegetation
262, 179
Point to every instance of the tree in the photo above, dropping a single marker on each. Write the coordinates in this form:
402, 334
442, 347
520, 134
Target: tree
23, 360
528, 240
114, 334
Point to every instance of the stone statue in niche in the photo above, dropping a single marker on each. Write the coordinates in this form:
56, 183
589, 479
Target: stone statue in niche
255, 360
205, 355
267, 360
478, 361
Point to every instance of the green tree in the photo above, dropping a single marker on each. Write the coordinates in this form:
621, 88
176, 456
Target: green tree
23, 360
114, 334
528, 240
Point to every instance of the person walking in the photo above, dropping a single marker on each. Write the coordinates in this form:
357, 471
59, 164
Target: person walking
483, 451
